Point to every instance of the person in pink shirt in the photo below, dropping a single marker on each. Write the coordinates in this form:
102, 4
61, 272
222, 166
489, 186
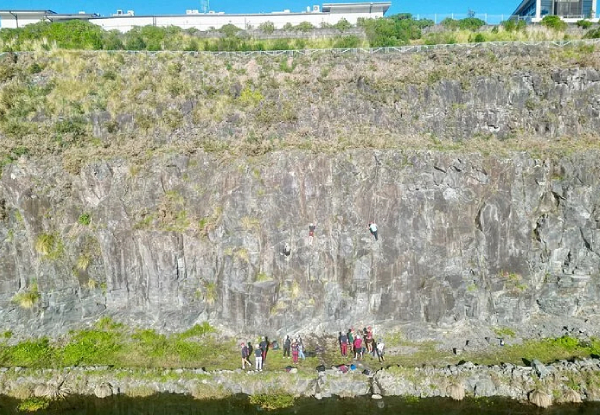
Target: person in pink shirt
358, 348
369, 340
295, 352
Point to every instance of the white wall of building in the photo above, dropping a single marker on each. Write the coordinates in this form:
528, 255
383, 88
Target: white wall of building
243, 21
9, 22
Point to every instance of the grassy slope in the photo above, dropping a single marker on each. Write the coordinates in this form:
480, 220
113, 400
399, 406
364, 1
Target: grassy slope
81, 106
110, 343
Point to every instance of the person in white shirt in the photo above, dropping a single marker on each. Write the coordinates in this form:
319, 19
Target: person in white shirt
373, 229
380, 352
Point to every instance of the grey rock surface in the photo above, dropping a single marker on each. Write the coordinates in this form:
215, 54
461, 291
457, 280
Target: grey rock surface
516, 382
464, 239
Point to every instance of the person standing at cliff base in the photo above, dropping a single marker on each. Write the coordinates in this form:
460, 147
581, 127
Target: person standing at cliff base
343, 339
369, 340
380, 352
245, 355
358, 350
295, 352
286, 346
373, 229
350, 336
300, 348
258, 360
264, 347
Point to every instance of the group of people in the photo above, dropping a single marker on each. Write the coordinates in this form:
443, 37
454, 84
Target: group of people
296, 346
260, 354
359, 342
355, 343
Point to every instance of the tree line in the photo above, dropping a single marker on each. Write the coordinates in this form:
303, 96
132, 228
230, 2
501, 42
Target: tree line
395, 30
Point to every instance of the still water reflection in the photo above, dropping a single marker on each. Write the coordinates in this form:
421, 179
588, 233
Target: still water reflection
169, 404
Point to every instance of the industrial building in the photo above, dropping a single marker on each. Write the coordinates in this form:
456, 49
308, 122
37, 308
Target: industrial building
569, 10
328, 13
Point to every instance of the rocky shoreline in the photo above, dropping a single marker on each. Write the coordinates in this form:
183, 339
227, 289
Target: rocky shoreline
543, 385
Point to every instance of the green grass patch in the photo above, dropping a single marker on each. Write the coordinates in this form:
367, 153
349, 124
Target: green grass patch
30, 353
112, 343
33, 404
198, 330
84, 219
272, 401
545, 350
91, 347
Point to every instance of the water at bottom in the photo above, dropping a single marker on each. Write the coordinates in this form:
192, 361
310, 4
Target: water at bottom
171, 404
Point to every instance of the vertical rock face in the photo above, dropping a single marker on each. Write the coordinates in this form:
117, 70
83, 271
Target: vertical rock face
188, 238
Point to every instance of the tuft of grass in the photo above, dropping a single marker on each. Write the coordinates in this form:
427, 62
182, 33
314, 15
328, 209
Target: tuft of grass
504, 332
92, 284
49, 245
295, 292
210, 292
83, 262
84, 219
28, 297
250, 224
198, 330
261, 277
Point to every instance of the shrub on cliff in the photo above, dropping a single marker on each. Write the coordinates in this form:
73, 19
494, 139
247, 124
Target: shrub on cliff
74, 34
555, 23
514, 25
267, 27
347, 42
469, 23
393, 31
342, 25
592, 34
584, 24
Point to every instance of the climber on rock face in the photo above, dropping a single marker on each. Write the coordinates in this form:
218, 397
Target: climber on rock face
373, 229
311, 233
286, 249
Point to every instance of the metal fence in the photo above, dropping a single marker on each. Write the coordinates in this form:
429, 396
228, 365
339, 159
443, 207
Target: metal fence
490, 19
347, 51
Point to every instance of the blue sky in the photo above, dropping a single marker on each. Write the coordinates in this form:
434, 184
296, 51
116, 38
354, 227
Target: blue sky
145, 7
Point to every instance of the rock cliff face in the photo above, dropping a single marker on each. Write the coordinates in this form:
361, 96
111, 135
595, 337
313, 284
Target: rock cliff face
461, 237
466, 233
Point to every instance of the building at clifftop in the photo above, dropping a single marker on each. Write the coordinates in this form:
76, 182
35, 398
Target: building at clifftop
328, 13
568, 10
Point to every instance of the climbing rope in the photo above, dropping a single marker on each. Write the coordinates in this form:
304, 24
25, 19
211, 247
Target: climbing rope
377, 163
